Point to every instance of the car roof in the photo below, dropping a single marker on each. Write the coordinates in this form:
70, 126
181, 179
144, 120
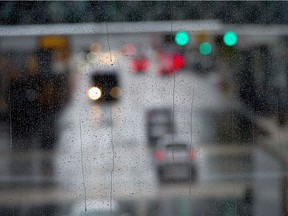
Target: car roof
168, 140
94, 204
103, 72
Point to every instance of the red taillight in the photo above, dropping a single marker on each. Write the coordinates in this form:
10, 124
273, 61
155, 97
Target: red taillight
143, 65
193, 154
159, 155
139, 65
171, 63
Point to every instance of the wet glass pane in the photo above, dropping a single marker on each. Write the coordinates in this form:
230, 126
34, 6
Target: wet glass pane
143, 108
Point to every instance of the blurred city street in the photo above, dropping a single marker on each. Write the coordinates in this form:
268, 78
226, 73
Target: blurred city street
143, 108
103, 150
133, 170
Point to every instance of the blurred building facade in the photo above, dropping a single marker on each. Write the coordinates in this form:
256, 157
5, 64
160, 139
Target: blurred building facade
260, 12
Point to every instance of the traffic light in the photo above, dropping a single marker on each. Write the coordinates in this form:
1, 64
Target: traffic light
202, 37
205, 48
182, 38
203, 43
104, 87
230, 38
226, 44
168, 39
178, 62
171, 52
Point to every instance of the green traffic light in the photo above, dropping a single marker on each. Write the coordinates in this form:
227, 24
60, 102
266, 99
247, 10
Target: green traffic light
181, 38
205, 48
230, 38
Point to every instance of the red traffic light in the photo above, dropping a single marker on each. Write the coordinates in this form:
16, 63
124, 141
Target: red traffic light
178, 61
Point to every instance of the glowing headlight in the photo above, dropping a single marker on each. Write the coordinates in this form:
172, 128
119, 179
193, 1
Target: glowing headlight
94, 93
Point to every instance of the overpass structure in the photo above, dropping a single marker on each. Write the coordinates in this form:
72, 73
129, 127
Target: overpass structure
209, 26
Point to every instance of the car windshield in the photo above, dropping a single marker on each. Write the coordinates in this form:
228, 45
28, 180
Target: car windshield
99, 213
165, 108
176, 147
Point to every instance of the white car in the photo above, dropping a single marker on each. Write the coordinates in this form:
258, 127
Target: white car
96, 208
175, 160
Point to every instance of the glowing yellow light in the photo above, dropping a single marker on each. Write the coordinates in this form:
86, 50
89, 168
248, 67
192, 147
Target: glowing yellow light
94, 93
54, 42
115, 92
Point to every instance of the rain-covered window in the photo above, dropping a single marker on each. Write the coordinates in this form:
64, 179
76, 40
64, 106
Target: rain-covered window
143, 108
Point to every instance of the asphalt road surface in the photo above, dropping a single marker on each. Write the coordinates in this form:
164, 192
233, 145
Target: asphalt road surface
104, 151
